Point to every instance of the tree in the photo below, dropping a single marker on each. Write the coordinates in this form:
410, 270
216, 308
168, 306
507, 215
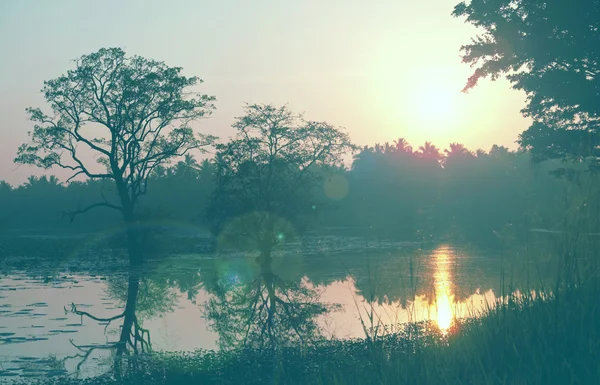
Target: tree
430, 151
131, 115
456, 154
5, 187
265, 313
31, 181
457, 149
187, 168
480, 153
551, 51
206, 169
265, 175
402, 146
500, 152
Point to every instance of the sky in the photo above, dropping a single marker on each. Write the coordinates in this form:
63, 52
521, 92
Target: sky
382, 69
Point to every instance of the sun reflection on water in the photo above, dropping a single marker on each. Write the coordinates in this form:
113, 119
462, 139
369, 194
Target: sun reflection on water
443, 258
445, 293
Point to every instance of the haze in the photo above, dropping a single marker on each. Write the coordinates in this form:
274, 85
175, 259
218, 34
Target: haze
382, 69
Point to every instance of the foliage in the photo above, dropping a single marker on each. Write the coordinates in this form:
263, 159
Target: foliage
390, 191
550, 50
270, 168
155, 298
130, 114
266, 312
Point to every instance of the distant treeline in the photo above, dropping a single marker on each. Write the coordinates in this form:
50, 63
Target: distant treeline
390, 190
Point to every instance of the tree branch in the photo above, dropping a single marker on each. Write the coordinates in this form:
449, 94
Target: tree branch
87, 349
72, 214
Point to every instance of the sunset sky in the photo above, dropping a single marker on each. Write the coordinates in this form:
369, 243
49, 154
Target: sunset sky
381, 69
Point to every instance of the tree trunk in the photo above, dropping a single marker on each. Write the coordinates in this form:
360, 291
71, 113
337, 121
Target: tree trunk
135, 265
268, 277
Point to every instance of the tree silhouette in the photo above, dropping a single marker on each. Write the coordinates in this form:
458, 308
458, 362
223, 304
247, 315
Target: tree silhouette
549, 50
5, 187
265, 313
480, 153
188, 167
499, 151
266, 173
132, 115
456, 153
457, 149
429, 151
393, 194
206, 169
31, 181
402, 146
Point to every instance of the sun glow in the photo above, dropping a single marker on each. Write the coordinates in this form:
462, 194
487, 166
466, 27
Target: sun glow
426, 102
435, 105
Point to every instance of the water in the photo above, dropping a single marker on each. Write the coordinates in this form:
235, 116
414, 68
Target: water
328, 289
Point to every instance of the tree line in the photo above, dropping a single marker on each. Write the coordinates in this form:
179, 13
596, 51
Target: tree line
390, 190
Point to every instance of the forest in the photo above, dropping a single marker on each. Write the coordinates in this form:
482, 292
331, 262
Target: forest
390, 189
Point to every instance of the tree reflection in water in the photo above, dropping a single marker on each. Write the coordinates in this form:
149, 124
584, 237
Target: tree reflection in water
265, 312
142, 297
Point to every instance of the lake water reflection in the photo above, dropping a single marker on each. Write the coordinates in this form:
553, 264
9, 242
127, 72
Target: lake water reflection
190, 302
442, 258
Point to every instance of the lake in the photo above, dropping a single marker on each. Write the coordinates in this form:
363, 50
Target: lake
321, 288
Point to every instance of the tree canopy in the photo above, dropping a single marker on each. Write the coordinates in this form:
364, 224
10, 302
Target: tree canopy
128, 114
266, 173
388, 191
550, 50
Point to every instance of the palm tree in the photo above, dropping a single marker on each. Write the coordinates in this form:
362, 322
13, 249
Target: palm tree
159, 171
457, 149
402, 145
190, 162
387, 148
188, 166
31, 181
5, 186
53, 181
363, 157
430, 151
206, 170
458, 152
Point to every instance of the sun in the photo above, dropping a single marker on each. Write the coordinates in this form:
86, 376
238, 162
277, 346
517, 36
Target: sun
435, 105
425, 102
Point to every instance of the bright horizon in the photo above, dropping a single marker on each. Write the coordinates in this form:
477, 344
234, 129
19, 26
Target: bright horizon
382, 70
